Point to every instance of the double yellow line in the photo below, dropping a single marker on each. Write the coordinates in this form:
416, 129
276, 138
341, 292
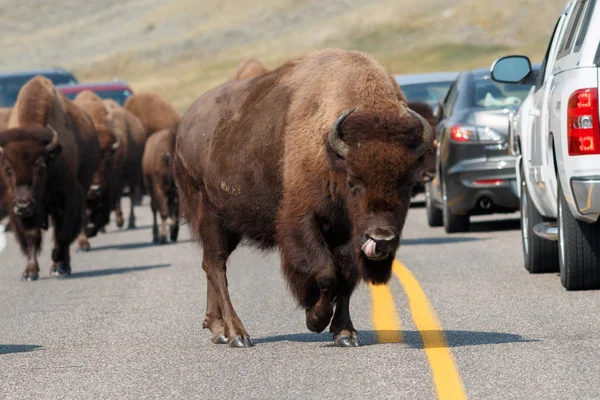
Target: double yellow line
387, 325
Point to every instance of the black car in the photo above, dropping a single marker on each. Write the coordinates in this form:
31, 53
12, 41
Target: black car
474, 173
11, 82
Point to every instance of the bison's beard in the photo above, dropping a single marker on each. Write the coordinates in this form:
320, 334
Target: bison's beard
376, 272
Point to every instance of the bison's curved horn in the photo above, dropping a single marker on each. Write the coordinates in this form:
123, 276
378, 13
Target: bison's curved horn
427, 132
335, 135
54, 142
116, 144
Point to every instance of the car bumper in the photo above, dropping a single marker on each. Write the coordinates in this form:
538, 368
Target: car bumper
469, 193
586, 193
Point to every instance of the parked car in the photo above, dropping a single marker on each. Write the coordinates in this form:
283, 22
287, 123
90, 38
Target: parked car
556, 138
474, 173
11, 82
428, 88
117, 90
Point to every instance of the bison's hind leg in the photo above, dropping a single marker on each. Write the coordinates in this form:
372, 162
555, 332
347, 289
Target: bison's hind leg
221, 318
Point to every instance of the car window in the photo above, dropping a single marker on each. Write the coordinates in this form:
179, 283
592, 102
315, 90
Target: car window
567, 42
489, 94
9, 89
542, 73
11, 85
117, 95
427, 92
61, 79
584, 25
450, 99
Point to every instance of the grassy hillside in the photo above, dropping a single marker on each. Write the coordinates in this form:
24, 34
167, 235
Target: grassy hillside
180, 48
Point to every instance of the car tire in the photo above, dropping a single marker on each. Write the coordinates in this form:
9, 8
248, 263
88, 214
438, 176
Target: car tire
578, 249
540, 255
452, 223
435, 217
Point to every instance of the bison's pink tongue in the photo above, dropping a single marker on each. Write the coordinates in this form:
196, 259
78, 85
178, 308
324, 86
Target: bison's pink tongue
369, 248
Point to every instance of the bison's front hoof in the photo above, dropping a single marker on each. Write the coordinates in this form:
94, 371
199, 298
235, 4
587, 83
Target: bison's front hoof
343, 340
60, 269
174, 233
219, 339
29, 276
120, 222
240, 342
163, 240
131, 225
84, 245
316, 324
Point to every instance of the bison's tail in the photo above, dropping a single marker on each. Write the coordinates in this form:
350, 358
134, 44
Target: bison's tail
190, 196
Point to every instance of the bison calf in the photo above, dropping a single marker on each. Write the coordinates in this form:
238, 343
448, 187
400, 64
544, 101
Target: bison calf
158, 174
317, 157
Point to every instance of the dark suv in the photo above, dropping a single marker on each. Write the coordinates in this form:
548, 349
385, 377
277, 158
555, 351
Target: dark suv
474, 173
11, 82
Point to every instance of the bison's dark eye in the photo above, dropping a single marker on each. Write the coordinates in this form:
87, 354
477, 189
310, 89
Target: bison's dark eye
8, 171
350, 184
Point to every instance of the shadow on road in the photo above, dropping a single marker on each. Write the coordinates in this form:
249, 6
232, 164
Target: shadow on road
134, 246
114, 271
125, 229
417, 204
513, 224
438, 240
18, 348
410, 338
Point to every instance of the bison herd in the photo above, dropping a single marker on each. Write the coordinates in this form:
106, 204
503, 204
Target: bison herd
317, 158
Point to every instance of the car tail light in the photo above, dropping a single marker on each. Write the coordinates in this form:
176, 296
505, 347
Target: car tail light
582, 122
489, 182
469, 134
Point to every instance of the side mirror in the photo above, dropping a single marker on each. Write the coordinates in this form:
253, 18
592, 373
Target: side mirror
511, 69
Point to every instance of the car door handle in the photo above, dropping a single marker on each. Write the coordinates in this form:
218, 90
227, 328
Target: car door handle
535, 112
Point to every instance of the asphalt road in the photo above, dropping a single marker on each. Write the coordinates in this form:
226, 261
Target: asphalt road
127, 325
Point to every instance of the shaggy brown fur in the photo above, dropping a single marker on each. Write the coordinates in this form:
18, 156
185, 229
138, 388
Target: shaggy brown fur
253, 161
399, 93
4, 116
158, 174
43, 182
154, 112
249, 69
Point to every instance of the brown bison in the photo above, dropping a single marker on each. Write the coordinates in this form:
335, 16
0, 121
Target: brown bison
399, 93
158, 174
154, 112
249, 69
317, 157
131, 133
121, 139
49, 155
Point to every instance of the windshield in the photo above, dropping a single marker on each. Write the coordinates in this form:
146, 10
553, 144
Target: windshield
428, 92
117, 95
11, 85
490, 94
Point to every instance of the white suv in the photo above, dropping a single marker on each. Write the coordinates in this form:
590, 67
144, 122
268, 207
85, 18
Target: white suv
556, 136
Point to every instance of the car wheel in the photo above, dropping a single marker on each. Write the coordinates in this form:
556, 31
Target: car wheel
540, 255
452, 223
435, 217
578, 249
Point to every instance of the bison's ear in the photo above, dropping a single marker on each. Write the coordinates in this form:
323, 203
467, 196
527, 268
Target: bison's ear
166, 157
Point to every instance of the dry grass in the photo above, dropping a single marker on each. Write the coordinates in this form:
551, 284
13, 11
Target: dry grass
181, 48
